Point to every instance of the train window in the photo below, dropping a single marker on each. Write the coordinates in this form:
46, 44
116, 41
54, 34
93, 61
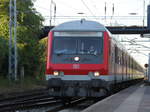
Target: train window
134, 65
119, 57
122, 58
110, 49
78, 45
64, 46
90, 46
129, 62
116, 55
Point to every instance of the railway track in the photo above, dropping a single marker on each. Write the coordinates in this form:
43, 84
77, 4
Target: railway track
33, 99
75, 105
38, 99
23, 99
14, 95
29, 104
22, 96
54, 104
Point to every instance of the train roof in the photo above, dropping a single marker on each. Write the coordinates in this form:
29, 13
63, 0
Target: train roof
80, 25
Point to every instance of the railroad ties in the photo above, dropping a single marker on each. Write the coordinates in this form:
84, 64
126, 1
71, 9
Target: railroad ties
26, 100
35, 99
132, 99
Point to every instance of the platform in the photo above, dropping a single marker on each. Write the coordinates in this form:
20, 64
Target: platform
132, 99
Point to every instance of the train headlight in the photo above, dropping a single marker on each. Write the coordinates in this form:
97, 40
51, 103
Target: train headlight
56, 73
96, 74
76, 58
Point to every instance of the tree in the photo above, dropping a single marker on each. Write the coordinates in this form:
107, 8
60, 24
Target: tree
42, 48
29, 23
4, 32
3, 55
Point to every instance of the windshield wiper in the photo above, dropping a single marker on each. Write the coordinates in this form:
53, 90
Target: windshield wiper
95, 54
61, 52
92, 53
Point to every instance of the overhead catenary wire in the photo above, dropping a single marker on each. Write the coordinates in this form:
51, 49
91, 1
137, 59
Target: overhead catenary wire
71, 8
98, 17
94, 6
87, 7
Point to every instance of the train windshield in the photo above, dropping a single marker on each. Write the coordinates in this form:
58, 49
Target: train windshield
89, 43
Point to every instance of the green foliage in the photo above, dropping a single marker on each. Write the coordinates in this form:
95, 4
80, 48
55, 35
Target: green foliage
4, 30
42, 47
29, 23
4, 34
27, 83
3, 55
4, 8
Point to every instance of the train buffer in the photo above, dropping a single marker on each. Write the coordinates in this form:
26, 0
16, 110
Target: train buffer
132, 99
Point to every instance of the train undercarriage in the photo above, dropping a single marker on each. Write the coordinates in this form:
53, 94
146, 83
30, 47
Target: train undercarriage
92, 88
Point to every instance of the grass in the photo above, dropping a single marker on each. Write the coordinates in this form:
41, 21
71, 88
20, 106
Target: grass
4, 82
27, 83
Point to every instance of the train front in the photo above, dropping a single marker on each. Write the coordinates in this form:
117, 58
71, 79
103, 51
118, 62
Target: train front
77, 63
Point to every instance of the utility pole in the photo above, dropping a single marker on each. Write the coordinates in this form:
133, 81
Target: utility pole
50, 21
13, 40
105, 9
51, 11
143, 13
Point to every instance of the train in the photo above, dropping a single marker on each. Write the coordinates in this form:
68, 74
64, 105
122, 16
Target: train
85, 60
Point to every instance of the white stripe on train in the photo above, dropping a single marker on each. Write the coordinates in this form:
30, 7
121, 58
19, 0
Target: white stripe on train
87, 77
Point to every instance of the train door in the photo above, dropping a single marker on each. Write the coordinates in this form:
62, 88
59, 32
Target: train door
112, 67
111, 53
132, 68
126, 67
129, 68
119, 66
122, 65
115, 64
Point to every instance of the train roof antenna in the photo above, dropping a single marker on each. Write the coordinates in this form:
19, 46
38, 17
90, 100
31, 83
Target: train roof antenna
82, 20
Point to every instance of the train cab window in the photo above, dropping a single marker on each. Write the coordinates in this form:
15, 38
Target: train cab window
92, 46
78, 43
64, 46
87, 45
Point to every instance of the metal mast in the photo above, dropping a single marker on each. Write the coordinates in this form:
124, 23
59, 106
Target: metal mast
13, 40
51, 11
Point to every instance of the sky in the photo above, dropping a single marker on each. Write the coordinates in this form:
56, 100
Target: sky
126, 13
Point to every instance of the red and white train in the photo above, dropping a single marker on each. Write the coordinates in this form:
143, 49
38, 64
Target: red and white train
85, 60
